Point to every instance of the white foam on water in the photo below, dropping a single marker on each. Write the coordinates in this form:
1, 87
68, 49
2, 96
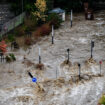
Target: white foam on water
80, 40
14, 93
100, 23
83, 40
94, 69
99, 88
99, 18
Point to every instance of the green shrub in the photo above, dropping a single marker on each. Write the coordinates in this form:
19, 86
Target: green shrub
11, 38
0, 38
29, 8
20, 31
54, 19
12, 57
8, 59
45, 29
102, 100
37, 34
30, 23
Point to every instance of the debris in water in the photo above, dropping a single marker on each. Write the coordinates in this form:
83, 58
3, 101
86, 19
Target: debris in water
65, 63
40, 66
90, 61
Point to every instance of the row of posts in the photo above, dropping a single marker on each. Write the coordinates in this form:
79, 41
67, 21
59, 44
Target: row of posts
68, 52
68, 60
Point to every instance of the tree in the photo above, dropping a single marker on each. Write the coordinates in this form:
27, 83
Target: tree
50, 4
69, 4
16, 6
41, 7
3, 47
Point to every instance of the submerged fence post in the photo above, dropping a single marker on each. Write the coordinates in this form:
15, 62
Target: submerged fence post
71, 19
68, 51
39, 55
92, 46
52, 34
79, 65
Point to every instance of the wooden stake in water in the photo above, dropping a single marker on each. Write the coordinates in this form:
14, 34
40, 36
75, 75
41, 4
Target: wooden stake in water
100, 66
92, 46
39, 55
79, 65
52, 34
71, 18
68, 51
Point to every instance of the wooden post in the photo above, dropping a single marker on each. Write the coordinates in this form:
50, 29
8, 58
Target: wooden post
68, 51
52, 34
71, 18
79, 65
39, 55
92, 46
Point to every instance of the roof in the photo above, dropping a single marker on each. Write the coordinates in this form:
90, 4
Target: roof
57, 10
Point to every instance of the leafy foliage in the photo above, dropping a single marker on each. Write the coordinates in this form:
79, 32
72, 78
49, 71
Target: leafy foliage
102, 100
30, 23
16, 6
37, 34
43, 30
3, 46
20, 31
41, 9
11, 38
28, 41
50, 4
11, 57
75, 5
8, 59
28, 5
54, 19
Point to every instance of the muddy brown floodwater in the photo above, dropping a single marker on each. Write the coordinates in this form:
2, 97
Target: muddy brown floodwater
58, 83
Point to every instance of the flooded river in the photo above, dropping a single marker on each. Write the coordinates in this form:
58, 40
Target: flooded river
57, 84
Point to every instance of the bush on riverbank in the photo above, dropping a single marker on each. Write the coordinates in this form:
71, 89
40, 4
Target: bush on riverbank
102, 100
54, 19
